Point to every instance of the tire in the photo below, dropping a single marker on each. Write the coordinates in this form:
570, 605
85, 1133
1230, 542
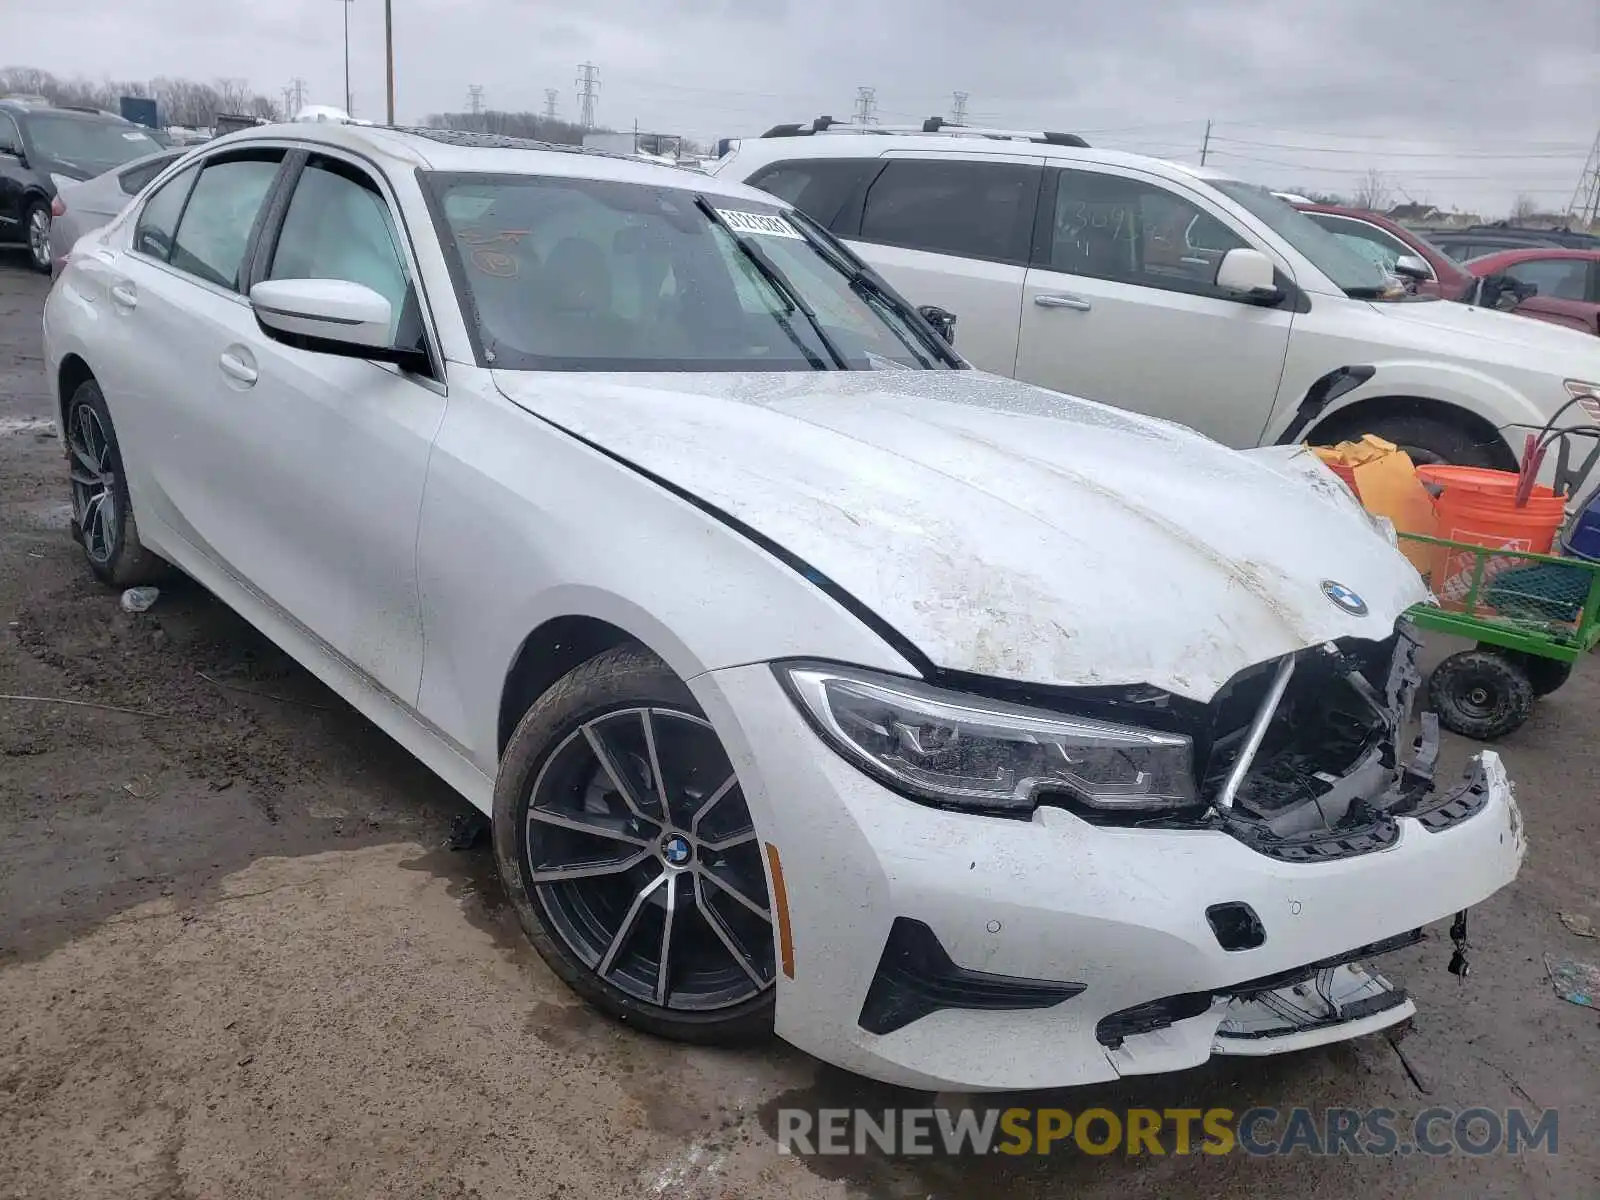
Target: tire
38, 246
1547, 675
552, 786
1429, 440
1481, 694
102, 515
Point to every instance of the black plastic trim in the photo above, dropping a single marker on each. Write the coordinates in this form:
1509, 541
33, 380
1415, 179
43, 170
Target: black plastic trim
1465, 802
916, 978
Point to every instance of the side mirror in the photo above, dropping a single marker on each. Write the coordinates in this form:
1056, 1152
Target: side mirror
1413, 267
1248, 275
942, 320
333, 316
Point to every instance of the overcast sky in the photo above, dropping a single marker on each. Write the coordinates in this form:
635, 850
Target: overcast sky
1458, 102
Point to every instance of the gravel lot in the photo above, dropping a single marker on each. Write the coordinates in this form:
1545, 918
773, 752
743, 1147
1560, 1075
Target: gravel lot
237, 960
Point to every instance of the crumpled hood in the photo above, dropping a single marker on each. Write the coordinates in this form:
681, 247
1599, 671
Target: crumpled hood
1003, 529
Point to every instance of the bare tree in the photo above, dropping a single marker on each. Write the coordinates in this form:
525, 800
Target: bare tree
1524, 208
1373, 193
180, 101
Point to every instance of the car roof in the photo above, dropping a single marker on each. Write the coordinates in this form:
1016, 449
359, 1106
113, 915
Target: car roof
1518, 254
22, 108
1344, 210
855, 143
459, 150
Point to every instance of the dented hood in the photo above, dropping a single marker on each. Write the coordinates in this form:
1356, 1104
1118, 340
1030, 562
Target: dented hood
1006, 530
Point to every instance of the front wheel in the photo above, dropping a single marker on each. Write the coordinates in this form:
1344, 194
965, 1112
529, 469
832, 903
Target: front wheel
1432, 440
37, 225
1481, 694
626, 846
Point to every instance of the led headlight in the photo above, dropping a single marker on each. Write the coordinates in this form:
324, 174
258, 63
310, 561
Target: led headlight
959, 749
1587, 395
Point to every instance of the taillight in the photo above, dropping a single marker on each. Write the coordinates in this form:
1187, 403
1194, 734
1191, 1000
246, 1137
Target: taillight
58, 207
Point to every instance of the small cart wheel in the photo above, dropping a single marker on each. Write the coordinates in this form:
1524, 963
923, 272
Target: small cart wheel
1481, 694
1546, 674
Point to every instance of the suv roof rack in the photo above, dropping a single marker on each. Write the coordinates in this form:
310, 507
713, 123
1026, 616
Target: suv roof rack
933, 125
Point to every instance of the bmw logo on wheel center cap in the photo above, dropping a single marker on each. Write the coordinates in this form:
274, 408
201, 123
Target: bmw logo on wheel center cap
676, 850
1344, 598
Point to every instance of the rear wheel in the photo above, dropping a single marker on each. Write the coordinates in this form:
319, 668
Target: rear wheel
36, 223
626, 846
102, 517
1481, 694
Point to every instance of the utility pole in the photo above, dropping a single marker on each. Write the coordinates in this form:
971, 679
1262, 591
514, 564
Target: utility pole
388, 51
349, 104
588, 85
958, 110
550, 104
1585, 204
866, 106
288, 103
1205, 145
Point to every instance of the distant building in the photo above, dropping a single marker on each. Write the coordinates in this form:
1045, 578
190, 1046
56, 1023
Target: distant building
1415, 213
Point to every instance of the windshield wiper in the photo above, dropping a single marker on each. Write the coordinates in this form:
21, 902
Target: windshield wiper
774, 277
865, 282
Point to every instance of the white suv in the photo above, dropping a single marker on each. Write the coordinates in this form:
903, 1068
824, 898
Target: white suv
1168, 289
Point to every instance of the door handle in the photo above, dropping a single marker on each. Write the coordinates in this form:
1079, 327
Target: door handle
235, 367
1064, 300
124, 295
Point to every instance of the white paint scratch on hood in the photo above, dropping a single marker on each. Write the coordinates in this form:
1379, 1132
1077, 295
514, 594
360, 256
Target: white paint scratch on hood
1003, 529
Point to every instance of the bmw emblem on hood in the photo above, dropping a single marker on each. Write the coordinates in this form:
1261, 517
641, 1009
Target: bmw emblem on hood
1344, 598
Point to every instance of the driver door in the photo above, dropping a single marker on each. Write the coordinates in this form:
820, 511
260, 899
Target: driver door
1120, 305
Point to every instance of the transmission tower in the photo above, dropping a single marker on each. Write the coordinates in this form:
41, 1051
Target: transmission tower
475, 98
866, 106
588, 85
1585, 204
295, 95
958, 110
550, 104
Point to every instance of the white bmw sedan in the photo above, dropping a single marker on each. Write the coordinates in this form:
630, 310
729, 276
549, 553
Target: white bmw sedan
967, 734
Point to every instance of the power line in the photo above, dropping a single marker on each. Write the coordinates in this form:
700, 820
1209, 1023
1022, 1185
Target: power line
1462, 154
588, 85
866, 106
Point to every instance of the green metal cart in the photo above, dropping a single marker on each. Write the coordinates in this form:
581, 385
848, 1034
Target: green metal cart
1532, 616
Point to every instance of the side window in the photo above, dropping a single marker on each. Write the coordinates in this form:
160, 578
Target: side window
1372, 243
216, 224
1110, 227
953, 206
339, 227
818, 187
1556, 278
10, 139
135, 179
159, 218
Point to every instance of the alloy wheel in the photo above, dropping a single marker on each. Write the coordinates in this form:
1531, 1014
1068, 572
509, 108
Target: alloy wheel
641, 853
39, 237
94, 483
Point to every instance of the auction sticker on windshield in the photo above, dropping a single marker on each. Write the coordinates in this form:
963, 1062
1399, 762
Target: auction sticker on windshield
768, 224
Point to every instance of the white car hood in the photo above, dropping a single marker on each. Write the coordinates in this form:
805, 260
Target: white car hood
1006, 530
1540, 339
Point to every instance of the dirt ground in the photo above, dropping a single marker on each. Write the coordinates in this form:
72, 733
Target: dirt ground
238, 960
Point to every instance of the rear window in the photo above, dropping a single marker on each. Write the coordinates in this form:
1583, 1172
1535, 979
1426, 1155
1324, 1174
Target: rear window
135, 179
817, 187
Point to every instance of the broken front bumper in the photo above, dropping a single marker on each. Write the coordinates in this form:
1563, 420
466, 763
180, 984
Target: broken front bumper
1058, 902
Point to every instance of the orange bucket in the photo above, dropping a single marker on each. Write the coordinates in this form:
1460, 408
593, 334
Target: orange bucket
1478, 506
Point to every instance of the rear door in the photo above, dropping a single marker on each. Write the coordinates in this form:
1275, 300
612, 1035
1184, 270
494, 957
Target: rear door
1121, 306
954, 232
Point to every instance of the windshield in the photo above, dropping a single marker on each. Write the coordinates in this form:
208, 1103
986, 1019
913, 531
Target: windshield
87, 143
598, 275
1359, 276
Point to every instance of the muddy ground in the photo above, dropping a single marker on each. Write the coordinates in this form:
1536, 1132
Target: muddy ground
237, 958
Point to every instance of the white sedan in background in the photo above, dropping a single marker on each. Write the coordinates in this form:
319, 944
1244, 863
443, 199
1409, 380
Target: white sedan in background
968, 734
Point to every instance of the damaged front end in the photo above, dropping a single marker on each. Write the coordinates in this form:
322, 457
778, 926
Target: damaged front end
1309, 757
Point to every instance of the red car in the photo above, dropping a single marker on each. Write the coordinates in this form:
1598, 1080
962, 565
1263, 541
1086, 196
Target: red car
1566, 282
1378, 238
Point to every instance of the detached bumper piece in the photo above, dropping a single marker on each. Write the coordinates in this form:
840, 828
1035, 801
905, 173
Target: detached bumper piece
1321, 995
916, 977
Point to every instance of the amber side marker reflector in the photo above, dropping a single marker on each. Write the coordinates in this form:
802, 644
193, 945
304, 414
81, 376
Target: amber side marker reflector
780, 905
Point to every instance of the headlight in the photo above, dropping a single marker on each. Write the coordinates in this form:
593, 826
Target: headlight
1587, 395
972, 752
